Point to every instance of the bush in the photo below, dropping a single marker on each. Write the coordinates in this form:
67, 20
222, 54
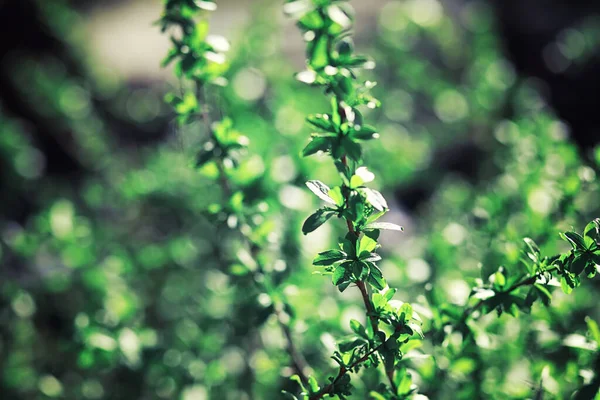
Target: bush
160, 279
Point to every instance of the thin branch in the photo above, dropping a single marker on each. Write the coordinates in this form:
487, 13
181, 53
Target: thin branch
343, 371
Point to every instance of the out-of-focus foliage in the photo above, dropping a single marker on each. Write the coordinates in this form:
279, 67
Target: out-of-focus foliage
120, 285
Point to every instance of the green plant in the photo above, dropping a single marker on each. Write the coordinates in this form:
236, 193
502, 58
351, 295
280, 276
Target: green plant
393, 326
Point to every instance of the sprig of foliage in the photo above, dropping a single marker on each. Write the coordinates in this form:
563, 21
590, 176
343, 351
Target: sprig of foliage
503, 291
200, 61
333, 66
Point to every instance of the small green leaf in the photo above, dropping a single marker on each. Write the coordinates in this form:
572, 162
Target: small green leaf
343, 286
534, 250
404, 384
316, 220
390, 293
360, 270
296, 378
329, 257
355, 181
376, 278
322, 121
499, 279
340, 274
592, 230
364, 132
576, 240
336, 195
358, 328
578, 263
370, 257
315, 145
565, 286
321, 190
384, 225
313, 384
405, 312
594, 329
319, 52
374, 198
311, 20
365, 244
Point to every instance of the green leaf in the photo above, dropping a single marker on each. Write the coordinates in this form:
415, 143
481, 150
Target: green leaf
405, 312
576, 240
340, 274
379, 301
315, 145
343, 286
565, 285
321, 190
389, 294
534, 250
578, 263
370, 257
316, 220
312, 383
374, 198
404, 383
348, 246
364, 132
329, 257
358, 328
374, 216
319, 57
499, 279
376, 396
341, 16
365, 244
336, 195
296, 378
322, 121
592, 230
311, 20
594, 329
360, 270
376, 277
384, 225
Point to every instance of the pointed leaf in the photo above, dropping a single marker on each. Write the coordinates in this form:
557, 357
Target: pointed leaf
315, 145
321, 190
384, 225
316, 220
329, 257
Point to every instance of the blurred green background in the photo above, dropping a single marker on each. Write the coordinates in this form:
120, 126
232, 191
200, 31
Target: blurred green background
116, 282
